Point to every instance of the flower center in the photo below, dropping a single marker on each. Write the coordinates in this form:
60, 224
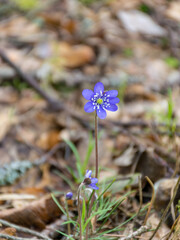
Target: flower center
99, 101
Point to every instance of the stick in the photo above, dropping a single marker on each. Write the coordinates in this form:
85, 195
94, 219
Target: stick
141, 230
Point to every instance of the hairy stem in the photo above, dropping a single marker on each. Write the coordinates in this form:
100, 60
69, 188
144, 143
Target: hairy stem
96, 172
79, 211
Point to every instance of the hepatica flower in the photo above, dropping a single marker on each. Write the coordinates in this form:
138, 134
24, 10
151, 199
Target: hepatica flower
89, 181
100, 100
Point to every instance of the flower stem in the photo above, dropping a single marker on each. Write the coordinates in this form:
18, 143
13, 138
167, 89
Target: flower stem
96, 172
96, 143
68, 218
79, 211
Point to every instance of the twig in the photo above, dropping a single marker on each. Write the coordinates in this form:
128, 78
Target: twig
23, 229
152, 199
167, 208
141, 230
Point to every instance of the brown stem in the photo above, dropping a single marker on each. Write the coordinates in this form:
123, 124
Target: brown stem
96, 142
152, 199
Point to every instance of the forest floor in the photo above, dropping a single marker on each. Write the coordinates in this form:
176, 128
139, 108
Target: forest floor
49, 52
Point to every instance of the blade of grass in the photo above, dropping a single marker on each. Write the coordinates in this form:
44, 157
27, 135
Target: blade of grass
58, 204
78, 159
111, 212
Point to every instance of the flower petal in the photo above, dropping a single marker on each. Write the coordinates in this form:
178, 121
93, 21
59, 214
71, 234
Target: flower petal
94, 180
101, 113
111, 107
88, 174
89, 107
114, 100
87, 94
111, 93
93, 186
99, 88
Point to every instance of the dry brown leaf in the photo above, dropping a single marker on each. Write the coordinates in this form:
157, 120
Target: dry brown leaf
8, 231
174, 11
48, 139
138, 91
57, 20
35, 215
75, 56
153, 220
126, 158
7, 119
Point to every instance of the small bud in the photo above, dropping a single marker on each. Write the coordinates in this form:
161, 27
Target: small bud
69, 195
87, 181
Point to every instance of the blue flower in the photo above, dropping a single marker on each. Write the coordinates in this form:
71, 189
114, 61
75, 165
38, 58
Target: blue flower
100, 100
69, 195
89, 181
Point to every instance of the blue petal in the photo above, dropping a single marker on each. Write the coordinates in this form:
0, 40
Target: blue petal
114, 100
111, 93
101, 113
93, 186
94, 180
87, 94
111, 107
99, 88
89, 107
88, 173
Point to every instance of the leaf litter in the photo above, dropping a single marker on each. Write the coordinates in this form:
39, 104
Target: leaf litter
68, 46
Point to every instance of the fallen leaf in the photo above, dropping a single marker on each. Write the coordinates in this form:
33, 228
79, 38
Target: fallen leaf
7, 119
75, 56
8, 231
154, 220
126, 159
174, 11
137, 22
48, 139
35, 215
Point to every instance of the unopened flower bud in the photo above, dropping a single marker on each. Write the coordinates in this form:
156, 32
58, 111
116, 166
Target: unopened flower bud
69, 195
